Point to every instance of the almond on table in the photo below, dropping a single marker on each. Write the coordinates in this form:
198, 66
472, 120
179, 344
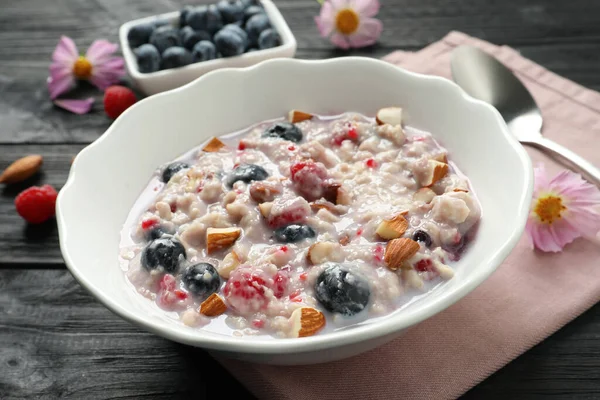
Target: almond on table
21, 169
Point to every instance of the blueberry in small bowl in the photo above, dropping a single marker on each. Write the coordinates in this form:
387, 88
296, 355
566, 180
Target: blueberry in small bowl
230, 33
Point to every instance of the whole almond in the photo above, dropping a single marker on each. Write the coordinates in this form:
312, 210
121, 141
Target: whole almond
22, 169
399, 250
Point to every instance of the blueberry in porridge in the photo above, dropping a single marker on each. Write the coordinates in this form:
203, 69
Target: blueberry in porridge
301, 226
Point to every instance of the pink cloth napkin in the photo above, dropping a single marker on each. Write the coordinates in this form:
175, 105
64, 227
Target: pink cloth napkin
528, 298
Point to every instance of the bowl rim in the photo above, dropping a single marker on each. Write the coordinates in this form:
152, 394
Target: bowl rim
359, 333
278, 21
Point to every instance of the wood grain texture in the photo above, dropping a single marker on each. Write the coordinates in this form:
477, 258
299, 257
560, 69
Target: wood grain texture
68, 346
56, 341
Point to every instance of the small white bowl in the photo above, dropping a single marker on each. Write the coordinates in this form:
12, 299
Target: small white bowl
156, 82
107, 177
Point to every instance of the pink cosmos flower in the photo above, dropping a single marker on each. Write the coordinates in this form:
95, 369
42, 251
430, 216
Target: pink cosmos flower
563, 209
350, 23
98, 66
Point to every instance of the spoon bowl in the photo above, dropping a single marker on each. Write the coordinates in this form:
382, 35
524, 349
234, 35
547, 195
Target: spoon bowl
485, 78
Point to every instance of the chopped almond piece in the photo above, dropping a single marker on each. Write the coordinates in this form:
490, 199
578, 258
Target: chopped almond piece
399, 250
441, 157
213, 306
213, 146
306, 321
321, 252
389, 115
221, 238
331, 192
299, 116
435, 171
265, 209
230, 262
261, 191
424, 194
392, 228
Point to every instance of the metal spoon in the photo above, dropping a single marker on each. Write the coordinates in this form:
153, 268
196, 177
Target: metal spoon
485, 78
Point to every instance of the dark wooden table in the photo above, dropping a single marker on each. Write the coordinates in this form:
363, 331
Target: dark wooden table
57, 341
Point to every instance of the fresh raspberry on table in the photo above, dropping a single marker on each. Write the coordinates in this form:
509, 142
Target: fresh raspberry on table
36, 204
117, 99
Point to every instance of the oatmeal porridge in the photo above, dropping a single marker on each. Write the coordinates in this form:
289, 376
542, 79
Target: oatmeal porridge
299, 226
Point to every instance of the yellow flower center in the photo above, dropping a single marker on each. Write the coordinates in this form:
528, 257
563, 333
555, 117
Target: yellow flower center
346, 21
549, 208
82, 69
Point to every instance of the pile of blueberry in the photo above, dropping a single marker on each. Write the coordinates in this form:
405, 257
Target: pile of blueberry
225, 29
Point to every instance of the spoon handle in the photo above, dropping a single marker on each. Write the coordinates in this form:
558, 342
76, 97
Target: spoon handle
568, 159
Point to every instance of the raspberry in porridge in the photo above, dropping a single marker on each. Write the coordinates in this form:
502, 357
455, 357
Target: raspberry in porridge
300, 226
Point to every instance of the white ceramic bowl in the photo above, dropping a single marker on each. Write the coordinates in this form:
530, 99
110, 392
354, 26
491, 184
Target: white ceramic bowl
160, 81
107, 177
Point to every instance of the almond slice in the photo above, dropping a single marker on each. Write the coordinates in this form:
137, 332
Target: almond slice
298, 116
213, 146
435, 171
306, 321
460, 190
221, 238
389, 115
321, 252
392, 228
399, 250
424, 194
22, 169
230, 262
213, 306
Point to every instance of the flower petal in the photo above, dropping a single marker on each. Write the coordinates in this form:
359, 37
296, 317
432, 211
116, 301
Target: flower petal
59, 84
366, 8
578, 191
340, 41
75, 106
65, 51
102, 80
367, 34
543, 238
326, 20
541, 180
101, 51
339, 4
587, 221
563, 232
108, 73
